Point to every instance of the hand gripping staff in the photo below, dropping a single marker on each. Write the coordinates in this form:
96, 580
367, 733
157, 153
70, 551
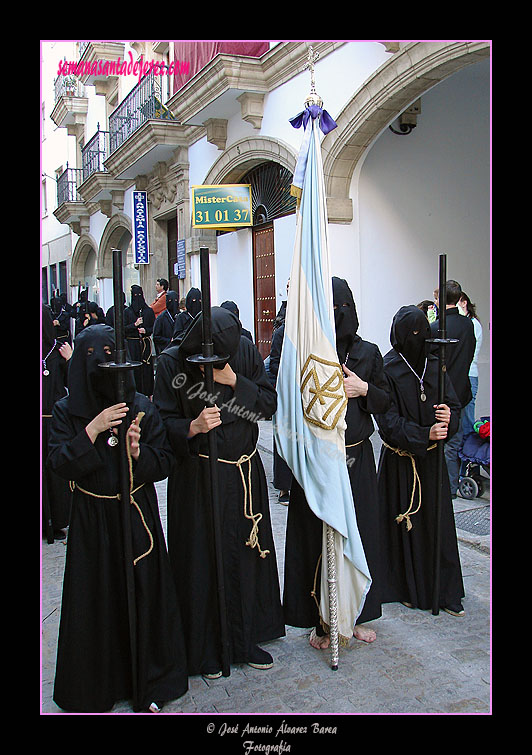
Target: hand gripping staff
206, 359
118, 368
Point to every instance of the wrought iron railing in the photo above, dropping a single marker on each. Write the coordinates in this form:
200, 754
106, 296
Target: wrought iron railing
143, 103
94, 153
68, 86
82, 47
67, 185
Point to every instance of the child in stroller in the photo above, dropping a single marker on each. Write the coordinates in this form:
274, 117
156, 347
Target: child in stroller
475, 453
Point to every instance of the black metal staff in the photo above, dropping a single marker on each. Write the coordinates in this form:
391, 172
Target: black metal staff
119, 367
206, 359
442, 342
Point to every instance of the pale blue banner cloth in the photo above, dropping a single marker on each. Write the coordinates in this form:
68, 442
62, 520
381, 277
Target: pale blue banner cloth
309, 425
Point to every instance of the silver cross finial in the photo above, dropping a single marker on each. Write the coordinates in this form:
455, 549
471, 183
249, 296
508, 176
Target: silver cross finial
312, 58
313, 98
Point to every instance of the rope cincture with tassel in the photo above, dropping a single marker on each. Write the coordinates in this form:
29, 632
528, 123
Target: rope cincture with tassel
253, 539
118, 496
405, 516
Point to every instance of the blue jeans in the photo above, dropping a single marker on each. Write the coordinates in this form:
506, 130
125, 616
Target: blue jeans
468, 412
468, 416
451, 457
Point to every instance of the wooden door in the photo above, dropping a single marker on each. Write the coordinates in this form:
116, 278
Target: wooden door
264, 286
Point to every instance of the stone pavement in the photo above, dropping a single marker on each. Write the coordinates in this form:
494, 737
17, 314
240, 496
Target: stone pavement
419, 663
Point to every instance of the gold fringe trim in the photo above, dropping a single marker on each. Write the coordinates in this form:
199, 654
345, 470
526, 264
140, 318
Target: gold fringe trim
343, 641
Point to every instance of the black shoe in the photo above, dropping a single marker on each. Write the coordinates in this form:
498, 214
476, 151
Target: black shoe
259, 658
284, 497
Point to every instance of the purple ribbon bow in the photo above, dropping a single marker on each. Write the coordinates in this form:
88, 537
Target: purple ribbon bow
326, 123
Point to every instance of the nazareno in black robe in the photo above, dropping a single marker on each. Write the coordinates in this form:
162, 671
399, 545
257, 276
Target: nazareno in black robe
304, 529
93, 669
408, 555
56, 493
251, 582
139, 344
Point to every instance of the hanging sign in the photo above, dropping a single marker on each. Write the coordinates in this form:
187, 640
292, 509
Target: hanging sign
140, 227
221, 206
181, 259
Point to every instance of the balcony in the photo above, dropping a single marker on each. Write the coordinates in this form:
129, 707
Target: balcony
70, 109
98, 185
94, 153
94, 52
71, 208
143, 132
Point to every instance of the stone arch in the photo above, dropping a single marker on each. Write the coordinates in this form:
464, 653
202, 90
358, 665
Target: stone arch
408, 74
245, 154
85, 244
117, 235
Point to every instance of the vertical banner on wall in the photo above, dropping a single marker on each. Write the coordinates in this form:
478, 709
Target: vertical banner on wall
181, 259
140, 227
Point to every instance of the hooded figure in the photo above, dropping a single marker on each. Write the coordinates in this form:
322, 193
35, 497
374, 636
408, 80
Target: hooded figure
61, 312
250, 571
80, 310
93, 669
408, 498
138, 329
232, 307
56, 493
367, 392
345, 317
184, 319
164, 323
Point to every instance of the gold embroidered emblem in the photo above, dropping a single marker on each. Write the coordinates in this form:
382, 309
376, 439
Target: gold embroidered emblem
322, 392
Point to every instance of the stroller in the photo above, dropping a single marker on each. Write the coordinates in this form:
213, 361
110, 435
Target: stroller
475, 453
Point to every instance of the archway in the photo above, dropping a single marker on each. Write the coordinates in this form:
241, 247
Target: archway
408, 74
84, 249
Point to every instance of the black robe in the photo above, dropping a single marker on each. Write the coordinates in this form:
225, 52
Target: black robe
304, 529
93, 669
407, 555
252, 592
162, 331
139, 344
56, 493
282, 474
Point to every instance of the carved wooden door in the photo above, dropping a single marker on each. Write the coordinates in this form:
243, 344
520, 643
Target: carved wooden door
264, 286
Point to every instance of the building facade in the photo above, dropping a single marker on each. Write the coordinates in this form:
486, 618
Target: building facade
407, 170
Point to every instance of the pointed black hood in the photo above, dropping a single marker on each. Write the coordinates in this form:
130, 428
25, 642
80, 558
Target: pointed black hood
345, 317
92, 388
193, 302
408, 336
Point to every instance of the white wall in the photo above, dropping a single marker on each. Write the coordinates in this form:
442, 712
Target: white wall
424, 194
234, 266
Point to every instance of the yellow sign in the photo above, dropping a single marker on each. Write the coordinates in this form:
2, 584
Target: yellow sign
221, 206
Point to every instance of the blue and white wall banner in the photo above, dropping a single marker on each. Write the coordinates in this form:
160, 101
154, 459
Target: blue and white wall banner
181, 259
140, 227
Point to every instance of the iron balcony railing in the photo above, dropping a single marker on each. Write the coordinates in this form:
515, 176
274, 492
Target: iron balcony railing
67, 185
94, 153
143, 103
68, 86
82, 47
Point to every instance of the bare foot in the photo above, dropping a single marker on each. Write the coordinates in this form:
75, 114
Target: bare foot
320, 643
364, 633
